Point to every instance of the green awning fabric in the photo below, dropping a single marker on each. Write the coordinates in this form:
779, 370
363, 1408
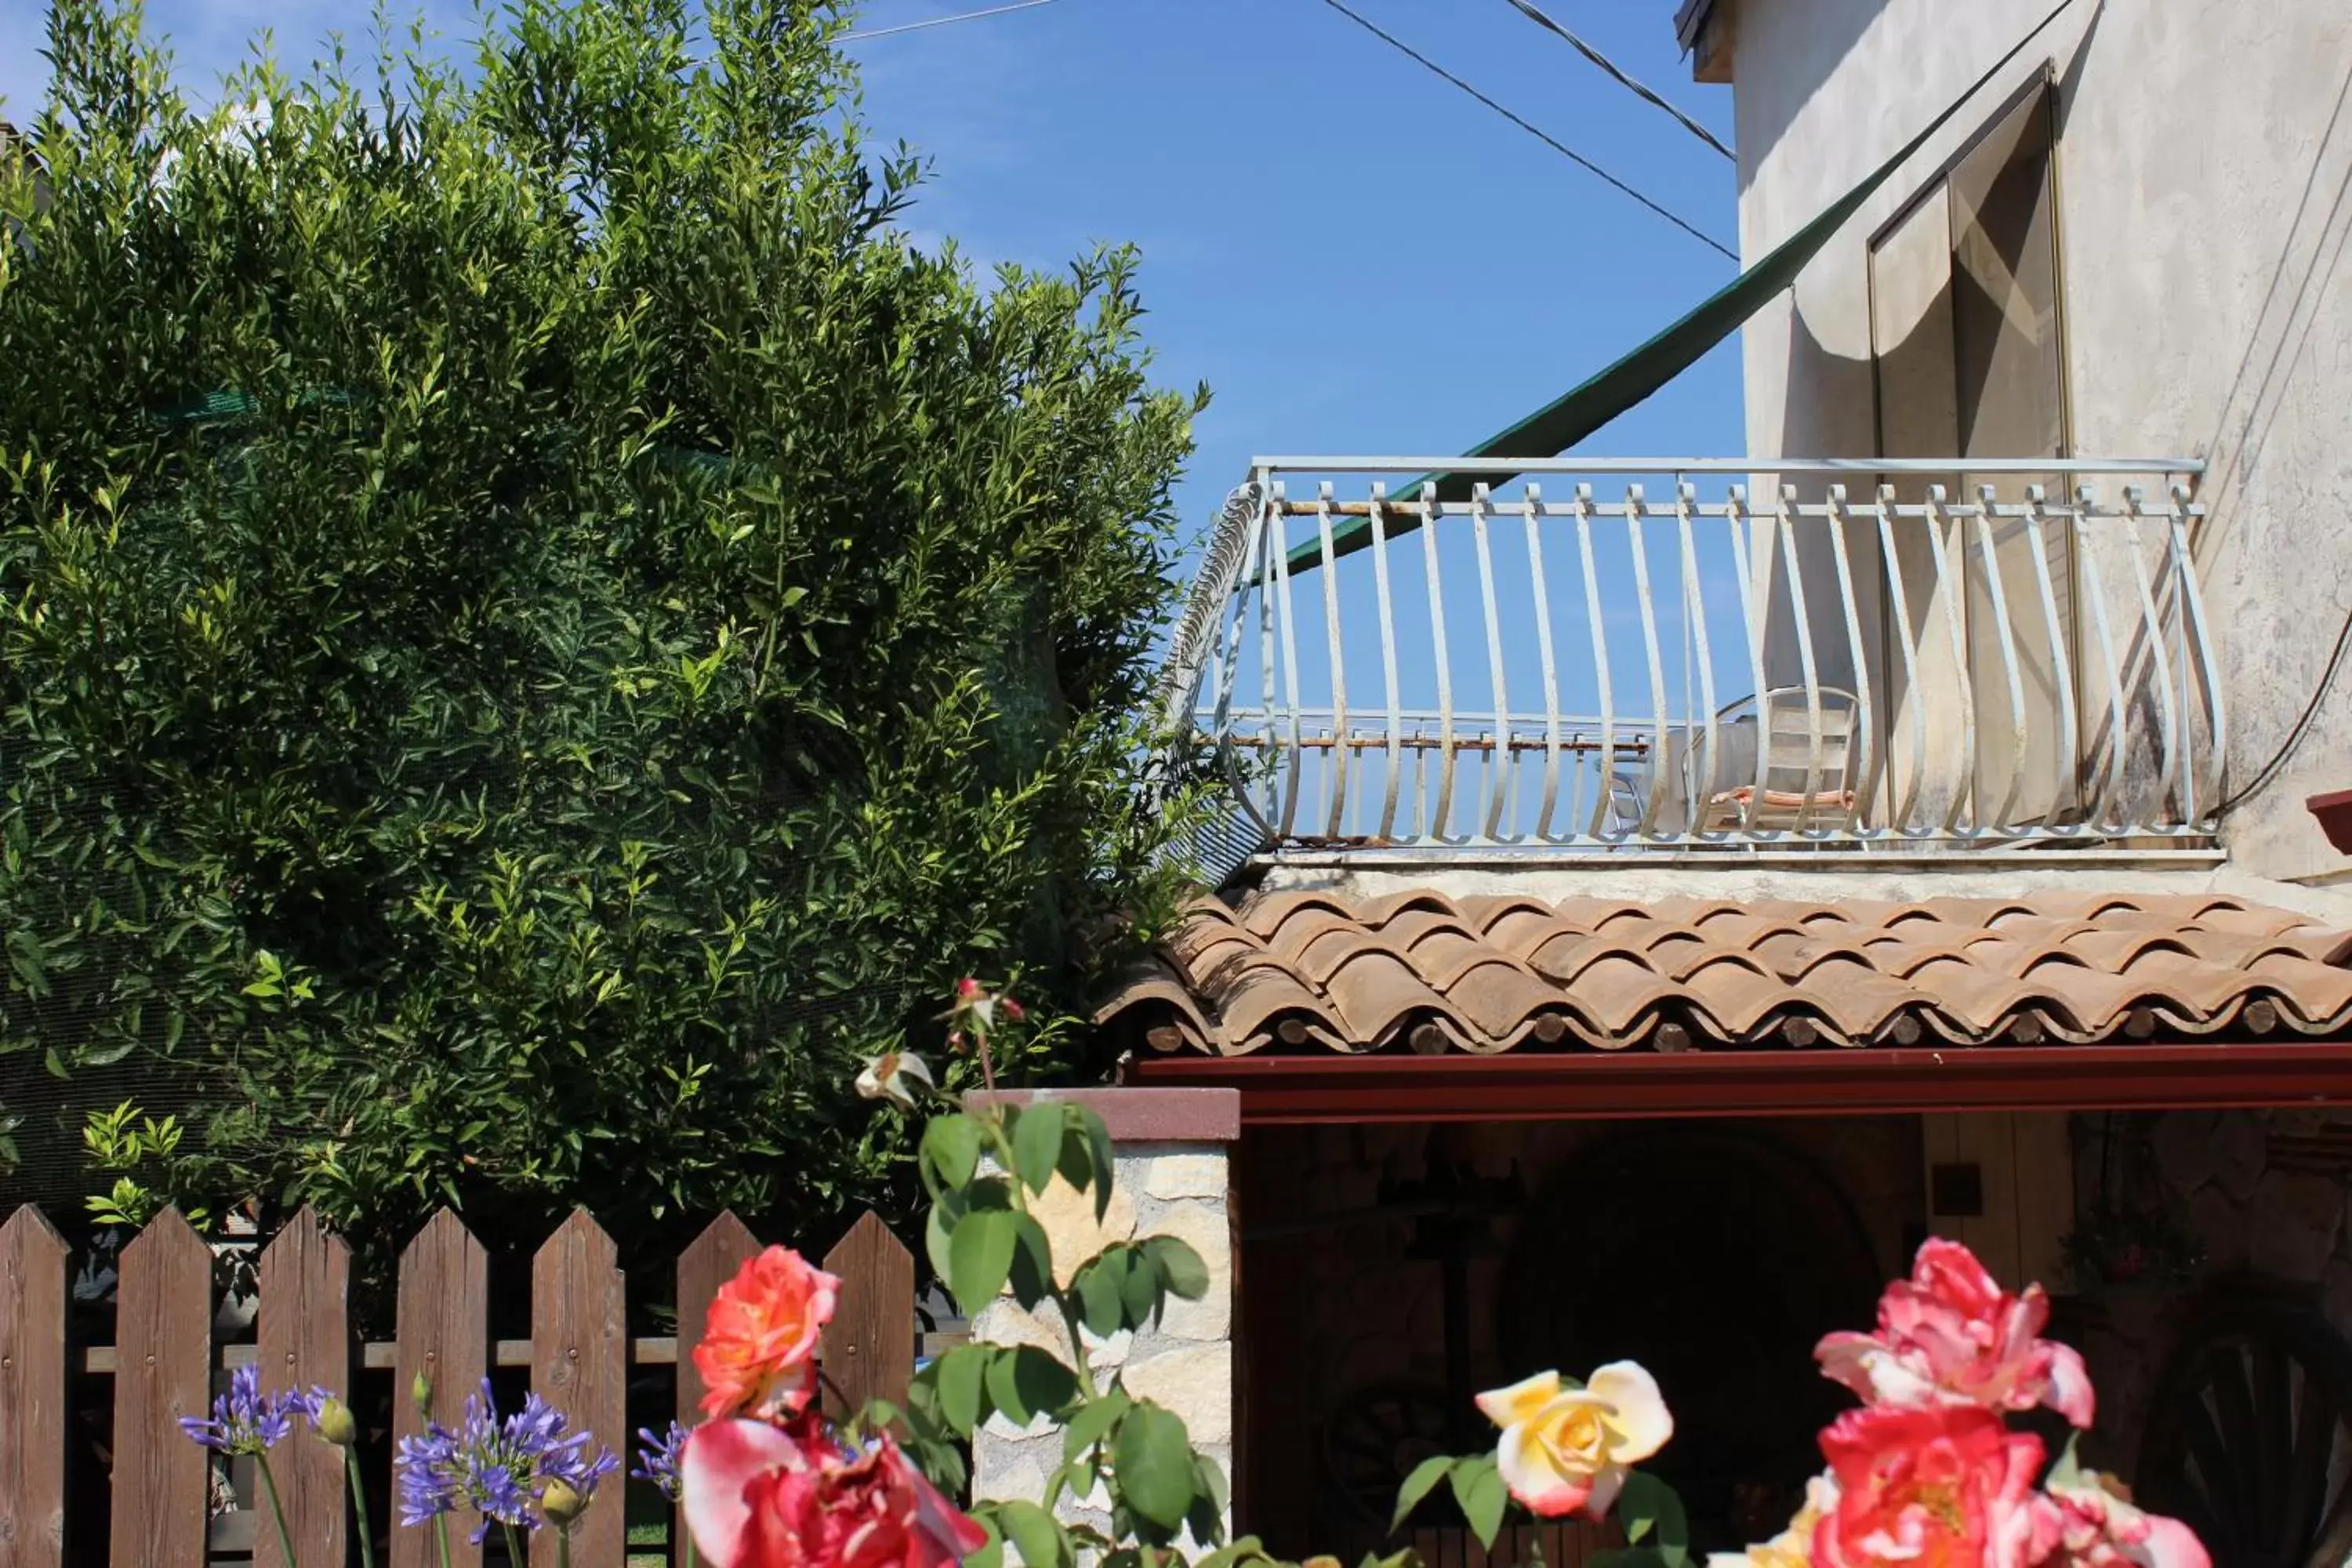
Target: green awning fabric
1559, 424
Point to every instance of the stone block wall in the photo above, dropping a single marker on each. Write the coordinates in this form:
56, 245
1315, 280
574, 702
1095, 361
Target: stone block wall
1171, 1180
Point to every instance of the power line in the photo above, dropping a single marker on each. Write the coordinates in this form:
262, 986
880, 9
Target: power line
1546, 138
1638, 90
942, 21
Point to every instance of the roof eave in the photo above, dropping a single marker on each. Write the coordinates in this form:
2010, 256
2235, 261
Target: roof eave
1706, 28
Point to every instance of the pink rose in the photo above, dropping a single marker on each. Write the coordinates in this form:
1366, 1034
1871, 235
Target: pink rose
2099, 1528
1944, 1487
1950, 1335
762, 1496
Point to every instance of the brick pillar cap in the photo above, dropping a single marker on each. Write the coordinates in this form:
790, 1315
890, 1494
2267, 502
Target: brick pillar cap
1145, 1115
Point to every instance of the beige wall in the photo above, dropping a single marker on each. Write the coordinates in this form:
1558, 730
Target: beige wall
2205, 191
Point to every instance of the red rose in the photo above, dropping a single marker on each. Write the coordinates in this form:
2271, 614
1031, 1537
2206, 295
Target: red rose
1951, 1335
1940, 1487
760, 1496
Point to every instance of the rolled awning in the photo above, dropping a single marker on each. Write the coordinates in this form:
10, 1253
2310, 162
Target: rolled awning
1600, 397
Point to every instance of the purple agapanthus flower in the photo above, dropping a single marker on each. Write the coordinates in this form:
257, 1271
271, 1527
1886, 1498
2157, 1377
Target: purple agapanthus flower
425, 1470
657, 1458
244, 1420
497, 1469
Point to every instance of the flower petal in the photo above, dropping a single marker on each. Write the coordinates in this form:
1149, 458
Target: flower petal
2172, 1544
721, 1459
1639, 1422
2070, 1392
1520, 1401
1542, 1487
1603, 1495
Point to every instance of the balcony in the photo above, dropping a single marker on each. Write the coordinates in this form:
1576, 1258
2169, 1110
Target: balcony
1466, 659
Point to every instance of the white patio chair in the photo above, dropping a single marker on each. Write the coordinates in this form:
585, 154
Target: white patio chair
1784, 725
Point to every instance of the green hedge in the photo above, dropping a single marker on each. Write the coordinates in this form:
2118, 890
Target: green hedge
536, 628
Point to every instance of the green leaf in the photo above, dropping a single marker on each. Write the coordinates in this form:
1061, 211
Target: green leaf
1034, 1535
2066, 1470
1244, 1548
1648, 1504
1206, 1518
1032, 1262
991, 1555
1102, 1292
1075, 1162
962, 1375
1478, 1489
939, 1228
980, 1257
951, 1152
1028, 1383
1098, 1152
1626, 1557
1181, 1269
1152, 1463
1038, 1145
1139, 1290
1419, 1485
1091, 1421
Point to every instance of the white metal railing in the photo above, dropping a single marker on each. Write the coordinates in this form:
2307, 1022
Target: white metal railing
1638, 654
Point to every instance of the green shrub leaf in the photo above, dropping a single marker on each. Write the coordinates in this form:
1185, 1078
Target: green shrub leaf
962, 1372
1034, 1535
1028, 1383
1152, 1460
1478, 1489
1181, 1269
980, 1257
1419, 1485
1037, 1144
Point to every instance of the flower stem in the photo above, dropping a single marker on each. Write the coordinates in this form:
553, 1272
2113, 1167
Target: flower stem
443, 1521
514, 1548
276, 1507
563, 1547
359, 1506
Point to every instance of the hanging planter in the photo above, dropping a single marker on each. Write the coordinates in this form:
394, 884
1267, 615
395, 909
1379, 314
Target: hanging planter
2333, 811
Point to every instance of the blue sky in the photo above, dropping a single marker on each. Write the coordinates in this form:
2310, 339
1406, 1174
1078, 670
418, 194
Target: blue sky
1354, 254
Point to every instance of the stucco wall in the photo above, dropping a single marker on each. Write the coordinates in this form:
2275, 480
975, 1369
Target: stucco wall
2205, 201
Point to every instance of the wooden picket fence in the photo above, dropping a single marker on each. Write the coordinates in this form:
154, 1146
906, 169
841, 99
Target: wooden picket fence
163, 1364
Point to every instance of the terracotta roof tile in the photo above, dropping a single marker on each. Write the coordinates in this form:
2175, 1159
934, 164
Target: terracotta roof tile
1419, 970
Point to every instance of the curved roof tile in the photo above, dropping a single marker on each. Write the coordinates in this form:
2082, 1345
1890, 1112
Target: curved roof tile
1417, 970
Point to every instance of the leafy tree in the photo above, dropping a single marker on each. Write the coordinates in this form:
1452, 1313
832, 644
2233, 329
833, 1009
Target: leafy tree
536, 624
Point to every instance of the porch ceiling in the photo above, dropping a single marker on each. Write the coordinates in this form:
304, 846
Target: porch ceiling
1422, 974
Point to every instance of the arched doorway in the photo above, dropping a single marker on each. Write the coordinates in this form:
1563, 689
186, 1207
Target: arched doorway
1717, 1258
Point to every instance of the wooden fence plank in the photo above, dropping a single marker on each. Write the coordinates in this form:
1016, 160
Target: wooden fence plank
306, 1339
868, 1352
164, 1308
720, 1250
444, 1333
32, 1392
579, 1338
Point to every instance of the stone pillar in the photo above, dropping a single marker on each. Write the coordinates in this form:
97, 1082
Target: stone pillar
1171, 1180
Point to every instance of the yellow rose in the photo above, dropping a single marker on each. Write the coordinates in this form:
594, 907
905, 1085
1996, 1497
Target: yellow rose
1567, 1450
1793, 1547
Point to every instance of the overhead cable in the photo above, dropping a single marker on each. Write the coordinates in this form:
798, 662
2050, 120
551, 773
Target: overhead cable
1545, 137
942, 21
1627, 82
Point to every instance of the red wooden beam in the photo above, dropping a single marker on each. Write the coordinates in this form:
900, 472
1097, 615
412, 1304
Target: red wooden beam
1855, 1081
